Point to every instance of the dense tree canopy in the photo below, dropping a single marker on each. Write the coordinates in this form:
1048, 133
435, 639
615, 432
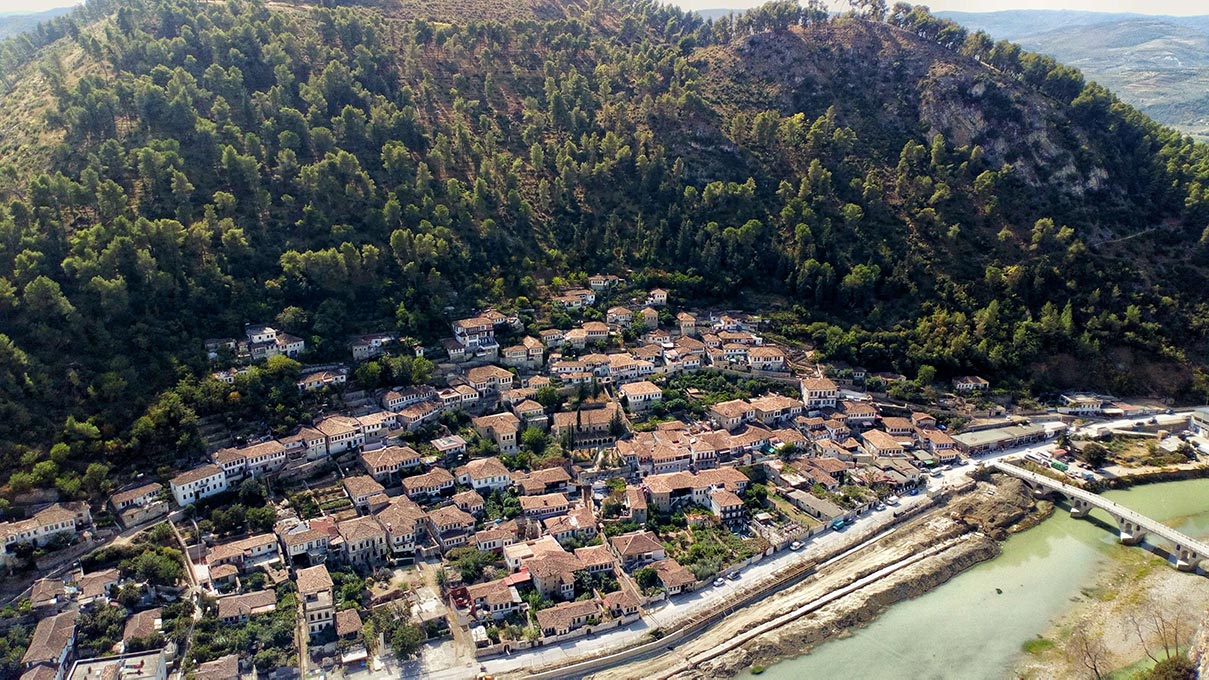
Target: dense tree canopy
338, 170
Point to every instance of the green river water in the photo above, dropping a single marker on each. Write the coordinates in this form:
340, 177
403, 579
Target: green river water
973, 626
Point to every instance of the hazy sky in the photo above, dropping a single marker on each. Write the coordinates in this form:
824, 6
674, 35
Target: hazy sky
1187, 7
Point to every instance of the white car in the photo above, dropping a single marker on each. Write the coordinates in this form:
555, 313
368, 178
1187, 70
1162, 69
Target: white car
719, 582
796, 545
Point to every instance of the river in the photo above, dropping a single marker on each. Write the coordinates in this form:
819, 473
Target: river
973, 627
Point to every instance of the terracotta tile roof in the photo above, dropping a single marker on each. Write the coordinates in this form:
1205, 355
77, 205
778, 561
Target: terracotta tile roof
561, 615
881, 440
333, 426
390, 456
484, 468
542, 502
348, 622
313, 580
247, 604
635, 543
820, 385
222, 668
50, 638
196, 474
360, 529
450, 515
595, 555
434, 477
672, 574
121, 497
361, 486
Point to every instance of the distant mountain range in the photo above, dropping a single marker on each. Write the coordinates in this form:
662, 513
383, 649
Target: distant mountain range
1160, 64
12, 24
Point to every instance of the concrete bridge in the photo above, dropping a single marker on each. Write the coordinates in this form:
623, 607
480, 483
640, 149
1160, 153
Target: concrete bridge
1134, 526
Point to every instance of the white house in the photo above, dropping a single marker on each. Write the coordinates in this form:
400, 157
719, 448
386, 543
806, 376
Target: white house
198, 483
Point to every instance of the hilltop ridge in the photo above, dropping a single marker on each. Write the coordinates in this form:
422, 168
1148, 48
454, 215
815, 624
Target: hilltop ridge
906, 193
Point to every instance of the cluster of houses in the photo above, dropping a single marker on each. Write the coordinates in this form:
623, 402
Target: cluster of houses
58, 601
399, 504
260, 342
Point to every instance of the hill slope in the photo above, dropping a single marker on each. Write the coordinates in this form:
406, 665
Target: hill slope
1159, 64
907, 194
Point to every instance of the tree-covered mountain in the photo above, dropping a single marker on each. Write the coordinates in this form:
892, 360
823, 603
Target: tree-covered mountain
903, 192
1160, 64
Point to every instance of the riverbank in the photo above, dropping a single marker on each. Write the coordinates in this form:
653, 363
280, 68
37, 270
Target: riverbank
1126, 608
1136, 606
952, 538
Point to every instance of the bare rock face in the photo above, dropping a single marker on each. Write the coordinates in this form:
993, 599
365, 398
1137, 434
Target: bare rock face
888, 85
996, 509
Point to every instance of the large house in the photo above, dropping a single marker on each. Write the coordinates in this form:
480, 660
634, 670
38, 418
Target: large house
256, 460
385, 464
38, 530
503, 428
641, 395
676, 489
637, 548
53, 639
495, 599
364, 541
369, 346
484, 474
490, 379
819, 393
341, 432
475, 333
970, 383
451, 527
315, 589
200, 482
435, 482
265, 341
590, 427
405, 525
732, 414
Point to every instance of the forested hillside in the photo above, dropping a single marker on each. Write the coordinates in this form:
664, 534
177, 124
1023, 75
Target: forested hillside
905, 193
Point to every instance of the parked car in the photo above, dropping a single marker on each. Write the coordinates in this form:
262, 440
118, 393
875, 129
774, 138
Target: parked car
796, 545
734, 576
719, 582
880, 506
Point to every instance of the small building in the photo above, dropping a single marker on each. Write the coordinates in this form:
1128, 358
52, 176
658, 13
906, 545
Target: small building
636, 549
970, 383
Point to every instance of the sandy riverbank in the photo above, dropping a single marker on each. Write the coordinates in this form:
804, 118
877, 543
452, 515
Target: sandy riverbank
959, 533
1129, 599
